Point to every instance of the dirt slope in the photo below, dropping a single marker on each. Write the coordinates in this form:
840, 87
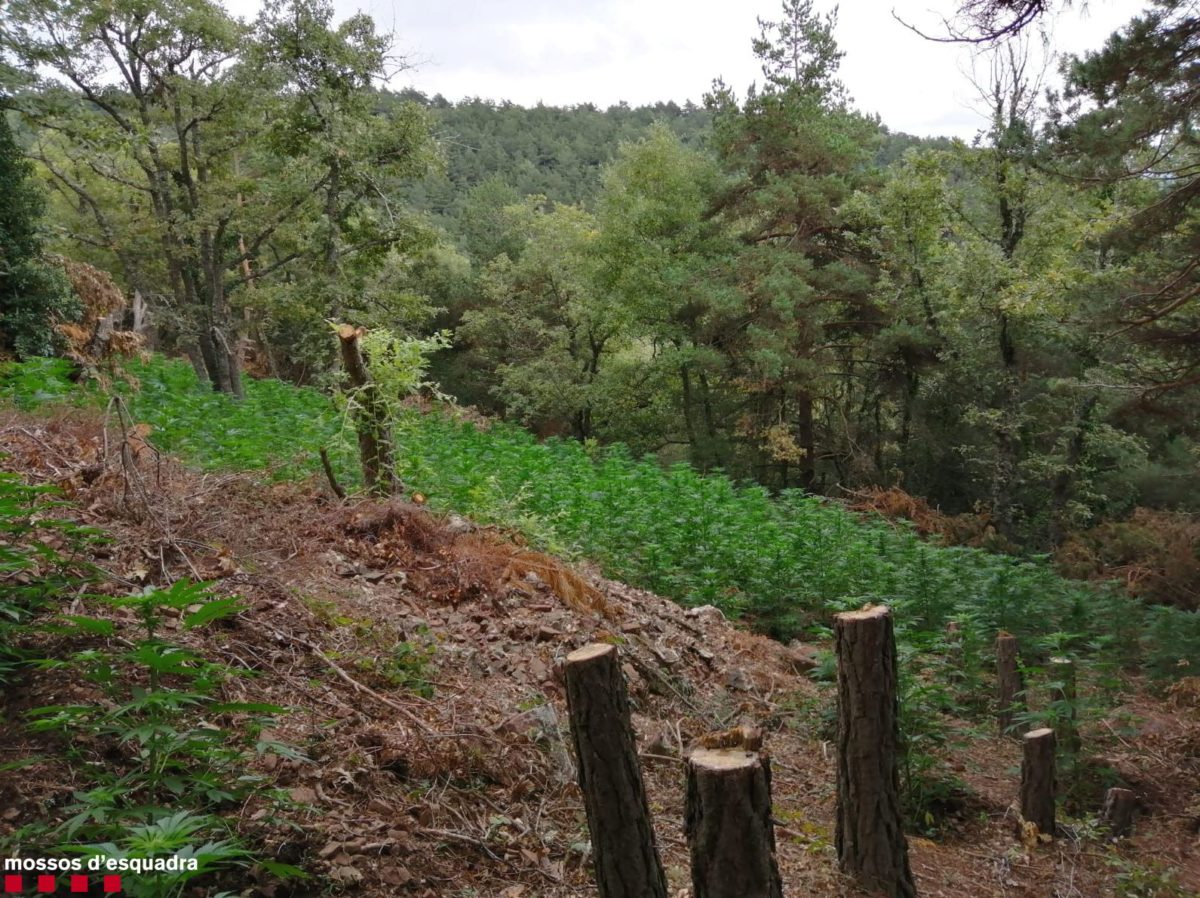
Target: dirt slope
469, 790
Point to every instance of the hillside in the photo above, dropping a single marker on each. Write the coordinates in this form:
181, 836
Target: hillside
559, 152
392, 694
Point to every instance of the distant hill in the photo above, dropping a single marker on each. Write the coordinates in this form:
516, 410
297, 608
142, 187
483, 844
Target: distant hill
556, 151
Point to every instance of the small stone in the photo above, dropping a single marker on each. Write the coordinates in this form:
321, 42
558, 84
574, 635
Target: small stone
705, 613
303, 795
802, 658
346, 875
736, 678
667, 656
458, 524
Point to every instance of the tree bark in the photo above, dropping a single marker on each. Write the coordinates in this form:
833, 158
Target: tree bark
869, 836
624, 851
1063, 693
1120, 805
807, 440
729, 827
1038, 780
371, 419
1009, 684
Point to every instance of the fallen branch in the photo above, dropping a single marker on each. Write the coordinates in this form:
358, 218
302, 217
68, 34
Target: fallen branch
359, 687
333, 483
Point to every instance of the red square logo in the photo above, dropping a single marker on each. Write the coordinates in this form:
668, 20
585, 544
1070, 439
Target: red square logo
45, 883
79, 883
112, 884
12, 883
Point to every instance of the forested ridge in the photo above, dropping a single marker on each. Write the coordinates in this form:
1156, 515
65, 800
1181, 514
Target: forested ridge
769, 283
334, 417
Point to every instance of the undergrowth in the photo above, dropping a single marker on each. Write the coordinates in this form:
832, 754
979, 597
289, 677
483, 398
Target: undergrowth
156, 760
783, 563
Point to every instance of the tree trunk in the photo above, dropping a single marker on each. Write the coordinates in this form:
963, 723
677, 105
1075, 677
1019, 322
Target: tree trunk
870, 836
807, 440
1064, 482
626, 857
1009, 684
1063, 694
371, 418
729, 827
1038, 780
1120, 805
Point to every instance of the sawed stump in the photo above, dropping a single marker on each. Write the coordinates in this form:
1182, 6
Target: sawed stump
870, 833
624, 852
729, 828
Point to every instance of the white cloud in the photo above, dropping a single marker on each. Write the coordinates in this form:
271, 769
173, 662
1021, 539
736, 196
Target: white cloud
644, 51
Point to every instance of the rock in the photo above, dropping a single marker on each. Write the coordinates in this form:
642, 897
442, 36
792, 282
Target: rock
303, 795
395, 876
476, 666
705, 613
458, 524
802, 658
547, 633
667, 656
346, 875
736, 678
545, 720
637, 685
538, 670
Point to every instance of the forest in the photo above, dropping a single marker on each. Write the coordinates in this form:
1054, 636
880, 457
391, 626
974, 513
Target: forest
336, 418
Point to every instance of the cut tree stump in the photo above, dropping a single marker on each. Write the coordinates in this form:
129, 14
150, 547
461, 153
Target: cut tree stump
370, 418
1063, 694
1038, 780
870, 834
729, 829
624, 852
1120, 805
1009, 684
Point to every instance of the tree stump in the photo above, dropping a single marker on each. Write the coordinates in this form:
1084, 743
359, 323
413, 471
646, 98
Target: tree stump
1120, 805
1063, 694
1038, 780
729, 829
370, 418
624, 852
1009, 685
869, 835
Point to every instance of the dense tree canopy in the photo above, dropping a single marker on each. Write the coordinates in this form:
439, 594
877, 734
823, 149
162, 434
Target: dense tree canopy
772, 283
33, 294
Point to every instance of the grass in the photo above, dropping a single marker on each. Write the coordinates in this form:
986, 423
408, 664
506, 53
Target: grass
784, 563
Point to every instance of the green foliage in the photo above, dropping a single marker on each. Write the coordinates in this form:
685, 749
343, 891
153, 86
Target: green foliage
155, 762
39, 560
1134, 880
781, 562
400, 366
411, 664
169, 751
784, 562
277, 426
505, 151
36, 381
34, 293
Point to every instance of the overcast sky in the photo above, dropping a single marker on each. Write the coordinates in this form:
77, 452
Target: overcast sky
563, 52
